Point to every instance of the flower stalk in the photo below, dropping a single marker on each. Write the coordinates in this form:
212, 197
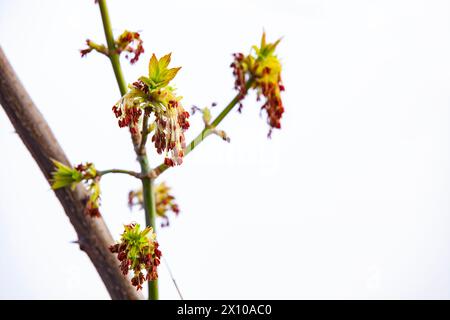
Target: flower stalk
147, 183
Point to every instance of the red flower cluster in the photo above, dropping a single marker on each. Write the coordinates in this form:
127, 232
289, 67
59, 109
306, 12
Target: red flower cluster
164, 202
140, 85
130, 42
239, 75
138, 251
274, 104
128, 110
169, 135
92, 211
87, 170
129, 119
89, 174
264, 69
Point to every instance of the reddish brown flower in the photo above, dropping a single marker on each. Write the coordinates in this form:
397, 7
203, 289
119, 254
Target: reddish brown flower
165, 202
138, 252
131, 43
263, 68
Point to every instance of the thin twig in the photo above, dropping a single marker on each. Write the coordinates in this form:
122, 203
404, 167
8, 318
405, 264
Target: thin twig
206, 131
173, 279
130, 173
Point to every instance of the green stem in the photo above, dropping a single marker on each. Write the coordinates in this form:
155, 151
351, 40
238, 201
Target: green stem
206, 131
147, 183
113, 56
150, 213
144, 134
131, 173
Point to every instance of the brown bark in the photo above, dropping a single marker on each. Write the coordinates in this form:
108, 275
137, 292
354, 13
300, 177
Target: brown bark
93, 235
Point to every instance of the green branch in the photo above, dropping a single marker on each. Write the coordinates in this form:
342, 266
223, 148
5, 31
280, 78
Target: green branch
113, 56
206, 131
147, 182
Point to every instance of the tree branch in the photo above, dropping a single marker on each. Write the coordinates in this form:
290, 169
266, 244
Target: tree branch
93, 236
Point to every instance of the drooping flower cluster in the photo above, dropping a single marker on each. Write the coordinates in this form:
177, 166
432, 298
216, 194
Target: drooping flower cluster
264, 69
128, 109
239, 70
138, 251
171, 124
65, 176
129, 42
164, 202
152, 95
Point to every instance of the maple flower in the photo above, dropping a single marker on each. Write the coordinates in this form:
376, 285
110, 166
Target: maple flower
128, 109
152, 95
93, 203
164, 202
264, 68
138, 252
65, 176
129, 42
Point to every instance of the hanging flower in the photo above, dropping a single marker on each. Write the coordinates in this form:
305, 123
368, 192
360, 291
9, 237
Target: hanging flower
93, 203
131, 43
171, 123
128, 42
263, 67
138, 252
153, 96
65, 176
128, 110
164, 202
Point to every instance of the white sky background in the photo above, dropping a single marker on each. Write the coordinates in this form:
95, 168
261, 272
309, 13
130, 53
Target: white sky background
349, 200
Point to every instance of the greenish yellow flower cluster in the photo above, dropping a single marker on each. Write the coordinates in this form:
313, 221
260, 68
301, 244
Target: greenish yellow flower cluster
153, 95
262, 69
65, 176
138, 251
128, 42
164, 202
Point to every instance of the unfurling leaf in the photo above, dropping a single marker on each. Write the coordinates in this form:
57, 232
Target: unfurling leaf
65, 176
